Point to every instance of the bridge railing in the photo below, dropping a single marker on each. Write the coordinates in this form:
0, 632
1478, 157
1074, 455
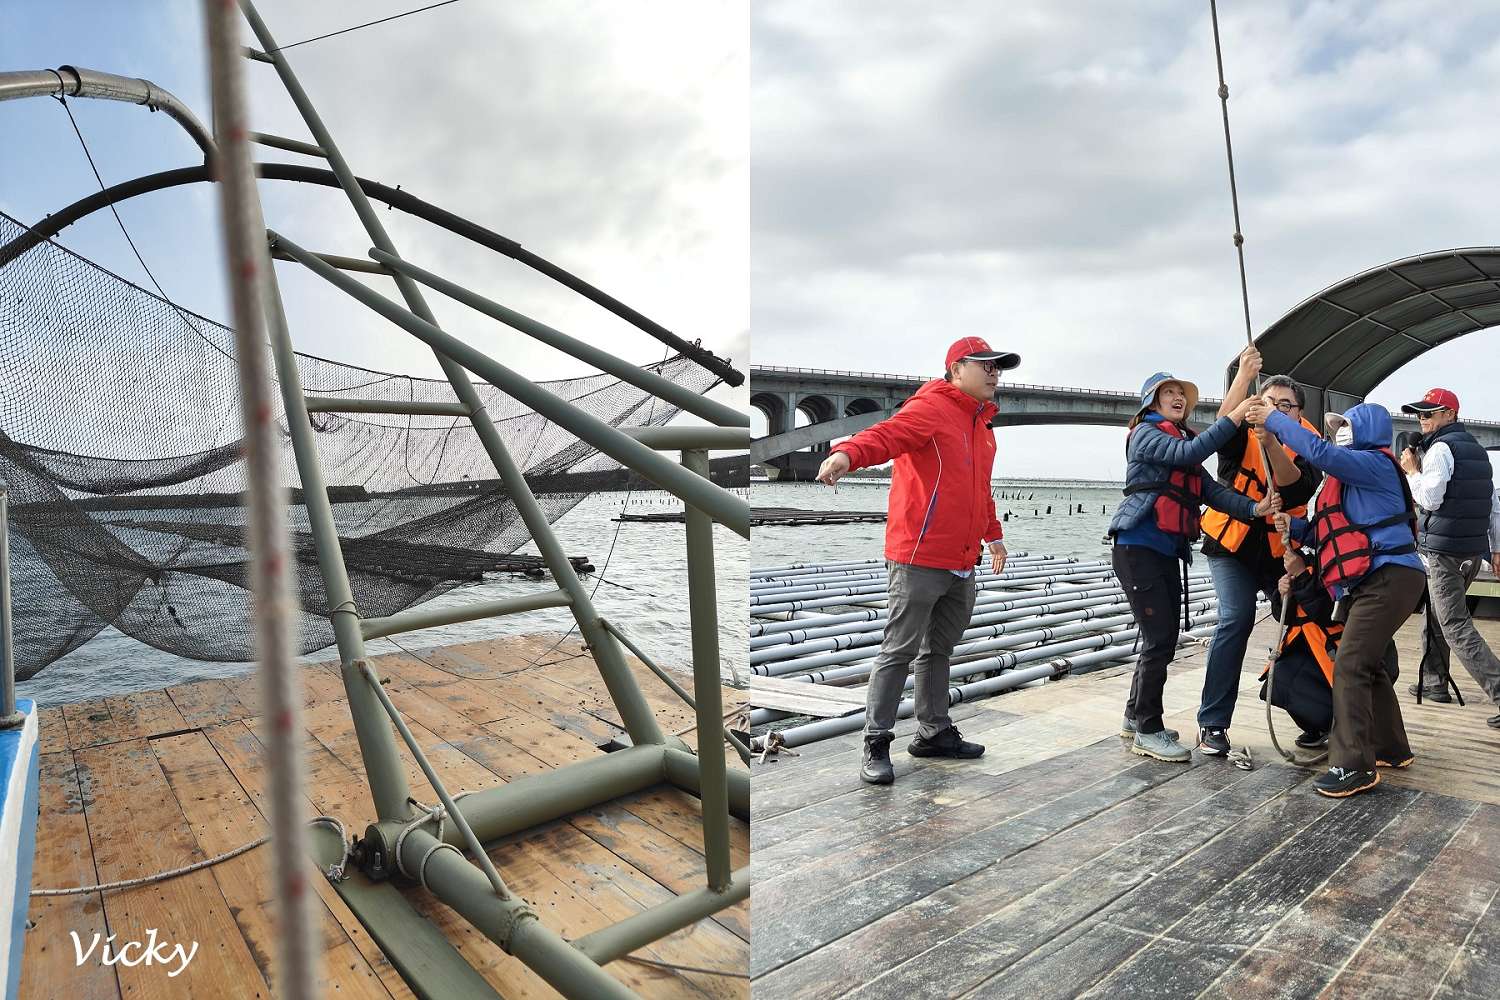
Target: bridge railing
1113, 393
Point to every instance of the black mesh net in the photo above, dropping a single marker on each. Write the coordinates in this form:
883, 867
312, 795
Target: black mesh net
119, 427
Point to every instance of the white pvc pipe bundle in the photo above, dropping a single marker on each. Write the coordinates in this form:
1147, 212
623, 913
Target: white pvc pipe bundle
1067, 614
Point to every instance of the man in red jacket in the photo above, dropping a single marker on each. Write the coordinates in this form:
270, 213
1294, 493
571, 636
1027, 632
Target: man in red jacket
940, 510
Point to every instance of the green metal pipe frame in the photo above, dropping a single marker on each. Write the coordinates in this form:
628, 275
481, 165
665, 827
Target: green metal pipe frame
411, 621
290, 145
339, 404
510, 923
470, 840
682, 771
345, 263
708, 409
723, 506
680, 436
9, 717
634, 932
535, 799
634, 711
704, 615
377, 747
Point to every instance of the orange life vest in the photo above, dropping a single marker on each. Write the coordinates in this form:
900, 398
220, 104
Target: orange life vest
1179, 495
1322, 641
1250, 480
1344, 549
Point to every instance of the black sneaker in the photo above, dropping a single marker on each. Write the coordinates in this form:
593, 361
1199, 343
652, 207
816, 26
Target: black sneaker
1213, 742
1493, 722
1395, 759
876, 768
1340, 784
948, 743
1312, 741
1438, 695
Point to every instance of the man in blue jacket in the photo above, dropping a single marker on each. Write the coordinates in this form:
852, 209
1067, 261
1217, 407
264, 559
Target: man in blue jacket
1379, 584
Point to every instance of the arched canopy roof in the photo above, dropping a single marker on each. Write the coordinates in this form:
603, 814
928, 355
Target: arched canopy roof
1347, 339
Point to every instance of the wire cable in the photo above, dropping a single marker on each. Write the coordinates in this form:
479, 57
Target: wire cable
367, 24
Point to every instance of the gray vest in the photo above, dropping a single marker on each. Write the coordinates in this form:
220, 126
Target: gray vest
1461, 524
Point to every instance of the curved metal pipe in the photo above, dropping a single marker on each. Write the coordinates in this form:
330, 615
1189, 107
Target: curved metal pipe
406, 202
74, 81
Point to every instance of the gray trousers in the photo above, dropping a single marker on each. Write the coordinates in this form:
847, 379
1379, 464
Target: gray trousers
928, 612
1449, 626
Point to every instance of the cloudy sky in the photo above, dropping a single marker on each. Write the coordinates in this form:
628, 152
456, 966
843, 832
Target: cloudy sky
611, 139
1053, 178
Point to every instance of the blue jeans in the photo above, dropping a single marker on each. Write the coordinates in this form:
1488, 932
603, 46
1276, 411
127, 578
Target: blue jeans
1237, 587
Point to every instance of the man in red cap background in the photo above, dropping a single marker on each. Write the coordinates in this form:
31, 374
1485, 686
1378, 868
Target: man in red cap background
1458, 526
941, 509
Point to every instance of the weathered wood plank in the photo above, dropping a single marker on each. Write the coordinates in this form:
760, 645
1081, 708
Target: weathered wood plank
1426, 933
223, 817
964, 933
208, 703
659, 856
137, 829
333, 790
1316, 937
63, 860
970, 839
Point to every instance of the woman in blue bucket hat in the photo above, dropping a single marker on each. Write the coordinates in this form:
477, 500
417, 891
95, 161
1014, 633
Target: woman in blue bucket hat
1153, 532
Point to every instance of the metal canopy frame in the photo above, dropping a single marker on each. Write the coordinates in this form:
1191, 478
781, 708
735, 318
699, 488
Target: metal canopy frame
398, 839
1344, 341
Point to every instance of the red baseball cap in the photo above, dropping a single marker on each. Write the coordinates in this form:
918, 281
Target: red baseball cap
1436, 399
975, 349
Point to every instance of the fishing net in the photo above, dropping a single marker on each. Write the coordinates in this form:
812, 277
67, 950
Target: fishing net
119, 445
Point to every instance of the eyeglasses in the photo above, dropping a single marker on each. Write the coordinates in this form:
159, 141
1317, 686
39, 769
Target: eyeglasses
990, 367
1285, 405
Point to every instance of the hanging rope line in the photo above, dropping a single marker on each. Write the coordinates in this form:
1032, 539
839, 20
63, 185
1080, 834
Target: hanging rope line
367, 24
1284, 620
1234, 195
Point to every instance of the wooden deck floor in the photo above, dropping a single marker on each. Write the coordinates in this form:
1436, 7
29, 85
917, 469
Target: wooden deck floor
153, 781
1061, 865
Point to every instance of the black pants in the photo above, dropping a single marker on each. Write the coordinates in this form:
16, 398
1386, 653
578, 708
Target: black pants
1153, 585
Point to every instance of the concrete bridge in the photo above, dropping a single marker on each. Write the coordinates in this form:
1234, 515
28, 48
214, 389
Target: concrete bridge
840, 403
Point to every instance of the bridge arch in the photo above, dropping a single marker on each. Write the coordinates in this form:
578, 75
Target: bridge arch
1344, 341
861, 404
773, 407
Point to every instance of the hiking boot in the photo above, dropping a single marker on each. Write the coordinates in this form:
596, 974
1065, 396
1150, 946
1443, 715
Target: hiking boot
1161, 747
1213, 742
1340, 784
876, 769
1395, 759
1312, 741
948, 743
1438, 695
1127, 730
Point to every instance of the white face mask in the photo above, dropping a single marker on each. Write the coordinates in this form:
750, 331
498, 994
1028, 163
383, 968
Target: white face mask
1344, 436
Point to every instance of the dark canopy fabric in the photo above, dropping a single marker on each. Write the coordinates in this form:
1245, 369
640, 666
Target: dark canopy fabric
1344, 341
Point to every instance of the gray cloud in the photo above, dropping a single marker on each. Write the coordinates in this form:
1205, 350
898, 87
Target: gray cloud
1052, 176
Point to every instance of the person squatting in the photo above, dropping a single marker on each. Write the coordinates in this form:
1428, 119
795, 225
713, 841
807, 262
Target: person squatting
1383, 532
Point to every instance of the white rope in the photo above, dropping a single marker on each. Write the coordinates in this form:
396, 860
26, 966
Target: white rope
158, 877
335, 872
275, 610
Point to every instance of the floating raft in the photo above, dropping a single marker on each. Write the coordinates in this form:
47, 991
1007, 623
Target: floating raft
779, 516
383, 556
1060, 864
147, 782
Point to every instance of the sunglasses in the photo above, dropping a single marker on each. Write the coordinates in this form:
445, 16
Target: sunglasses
990, 367
1429, 414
